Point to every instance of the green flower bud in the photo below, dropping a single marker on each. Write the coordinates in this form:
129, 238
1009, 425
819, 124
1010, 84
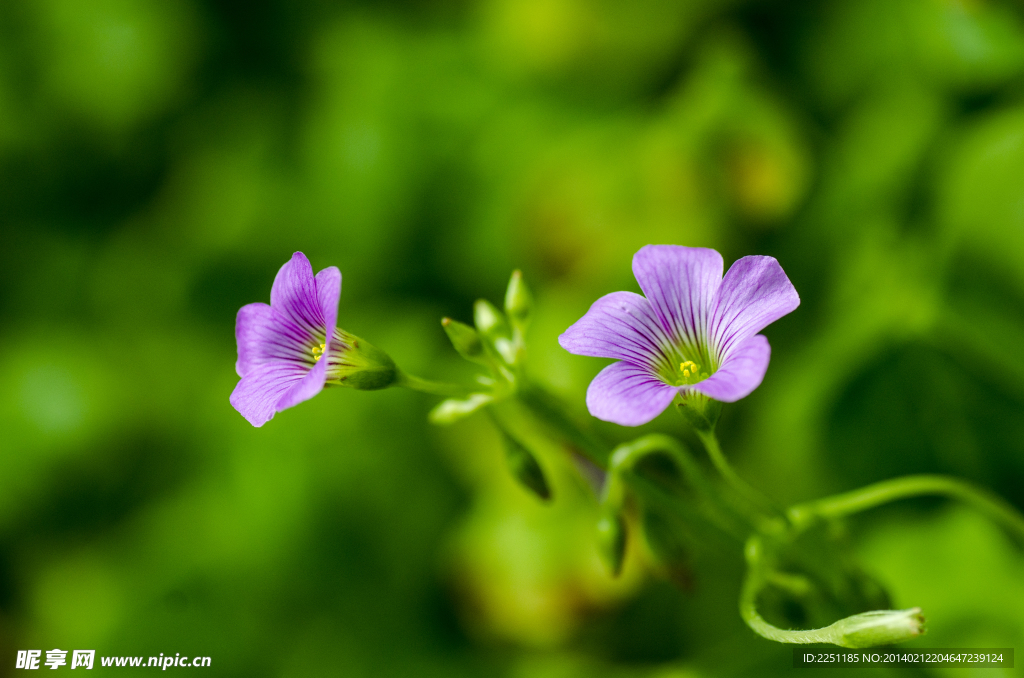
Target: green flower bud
465, 339
358, 364
489, 319
518, 302
611, 540
495, 330
524, 467
880, 627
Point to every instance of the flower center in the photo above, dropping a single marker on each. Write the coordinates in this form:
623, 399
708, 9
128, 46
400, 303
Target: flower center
318, 352
690, 373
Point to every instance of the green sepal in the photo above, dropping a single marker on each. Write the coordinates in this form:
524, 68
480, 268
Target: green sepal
701, 411
365, 367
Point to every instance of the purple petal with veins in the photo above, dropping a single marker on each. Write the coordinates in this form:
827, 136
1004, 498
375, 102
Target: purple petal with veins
754, 294
680, 283
618, 325
741, 372
282, 347
693, 322
628, 395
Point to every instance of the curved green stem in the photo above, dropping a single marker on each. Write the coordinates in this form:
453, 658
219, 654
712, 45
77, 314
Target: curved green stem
868, 629
627, 455
761, 504
748, 610
754, 581
849, 503
433, 387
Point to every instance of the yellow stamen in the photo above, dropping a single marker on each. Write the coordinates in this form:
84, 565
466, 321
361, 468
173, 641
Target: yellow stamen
690, 370
318, 352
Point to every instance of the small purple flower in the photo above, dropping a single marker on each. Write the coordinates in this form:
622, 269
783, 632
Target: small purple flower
695, 332
288, 350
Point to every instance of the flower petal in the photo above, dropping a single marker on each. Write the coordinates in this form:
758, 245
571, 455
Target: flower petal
309, 386
263, 334
680, 282
741, 372
328, 292
619, 325
628, 395
294, 295
754, 294
257, 395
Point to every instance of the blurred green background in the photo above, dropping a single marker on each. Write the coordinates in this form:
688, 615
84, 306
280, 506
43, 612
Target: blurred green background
161, 159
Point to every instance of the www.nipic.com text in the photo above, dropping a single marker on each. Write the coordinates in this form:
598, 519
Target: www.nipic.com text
56, 658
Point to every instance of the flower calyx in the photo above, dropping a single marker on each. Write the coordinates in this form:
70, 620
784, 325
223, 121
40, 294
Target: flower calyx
358, 364
701, 411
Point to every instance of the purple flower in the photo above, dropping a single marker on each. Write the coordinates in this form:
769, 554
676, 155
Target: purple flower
289, 350
694, 333
286, 351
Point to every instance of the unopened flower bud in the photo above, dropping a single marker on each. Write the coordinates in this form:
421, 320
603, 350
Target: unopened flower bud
880, 627
488, 318
495, 330
465, 339
524, 467
518, 301
611, 540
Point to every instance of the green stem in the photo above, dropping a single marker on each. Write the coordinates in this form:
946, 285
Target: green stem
753, 583
433, 387
748, 610
760, 504
880, 626
627, 455
989, 504
867, 629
